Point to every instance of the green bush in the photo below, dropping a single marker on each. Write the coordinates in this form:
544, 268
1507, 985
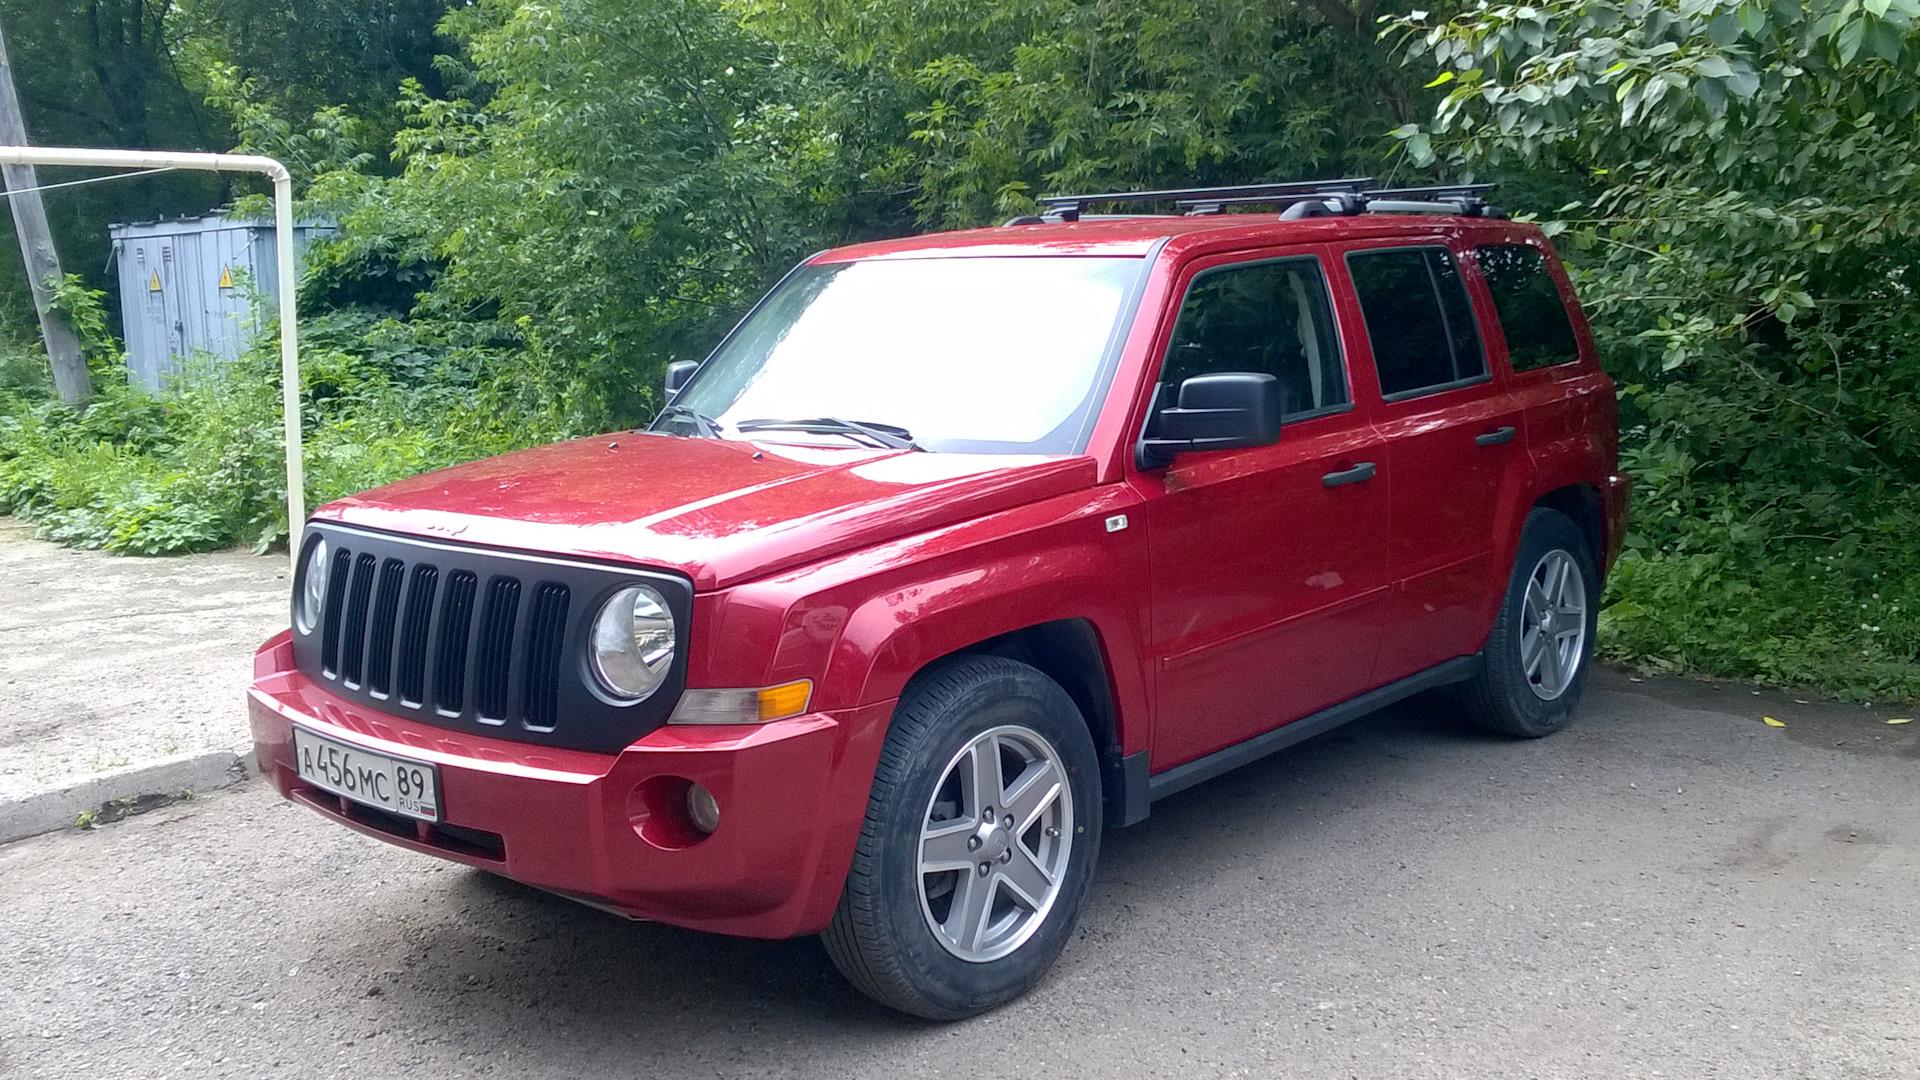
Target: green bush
201, 466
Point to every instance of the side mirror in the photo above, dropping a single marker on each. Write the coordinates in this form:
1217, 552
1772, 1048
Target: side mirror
678, 373
1227, 411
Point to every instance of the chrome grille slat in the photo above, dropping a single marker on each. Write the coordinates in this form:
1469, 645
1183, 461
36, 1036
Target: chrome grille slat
341, 562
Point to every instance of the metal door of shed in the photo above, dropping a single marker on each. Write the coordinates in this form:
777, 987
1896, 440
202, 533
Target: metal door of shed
193, 290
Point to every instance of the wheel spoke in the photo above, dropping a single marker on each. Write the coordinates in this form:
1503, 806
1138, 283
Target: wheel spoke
1039, 787
972, 901
1027, 878
1568, 599
1533, 648
1553, 671
1536, 602
983, 778
944, 846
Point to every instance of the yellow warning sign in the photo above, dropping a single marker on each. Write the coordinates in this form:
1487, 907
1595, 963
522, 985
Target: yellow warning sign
153, 283
226, 277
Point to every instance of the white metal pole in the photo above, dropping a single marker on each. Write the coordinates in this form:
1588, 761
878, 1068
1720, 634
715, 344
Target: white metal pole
283, 240
289, 365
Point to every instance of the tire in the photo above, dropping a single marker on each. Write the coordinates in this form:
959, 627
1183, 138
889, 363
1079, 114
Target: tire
905, 933
1522, 689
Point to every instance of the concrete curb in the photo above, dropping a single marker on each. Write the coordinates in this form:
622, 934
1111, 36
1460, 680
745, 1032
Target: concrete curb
57, 808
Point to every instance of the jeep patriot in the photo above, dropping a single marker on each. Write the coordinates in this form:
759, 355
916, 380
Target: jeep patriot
961, 549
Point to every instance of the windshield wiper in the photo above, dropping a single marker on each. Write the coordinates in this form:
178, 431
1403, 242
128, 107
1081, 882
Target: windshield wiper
888, 435
703, 425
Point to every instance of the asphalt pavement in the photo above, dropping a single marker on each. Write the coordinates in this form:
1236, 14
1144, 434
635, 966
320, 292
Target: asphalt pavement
1671, 888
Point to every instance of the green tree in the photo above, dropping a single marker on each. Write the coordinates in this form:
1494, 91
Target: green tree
1016, 99
608, 187
346, 57
102, 73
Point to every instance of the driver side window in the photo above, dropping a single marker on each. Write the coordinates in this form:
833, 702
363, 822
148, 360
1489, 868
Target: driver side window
1267, 317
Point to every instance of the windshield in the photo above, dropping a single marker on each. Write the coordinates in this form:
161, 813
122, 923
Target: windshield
968, 355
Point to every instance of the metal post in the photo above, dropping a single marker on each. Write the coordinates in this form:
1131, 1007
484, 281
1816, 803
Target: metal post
283, 237
70, 379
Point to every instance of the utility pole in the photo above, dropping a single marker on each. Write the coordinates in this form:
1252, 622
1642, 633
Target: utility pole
70, 378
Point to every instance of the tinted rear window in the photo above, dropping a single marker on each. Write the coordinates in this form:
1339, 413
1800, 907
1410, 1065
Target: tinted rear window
1532, 316
1419, 319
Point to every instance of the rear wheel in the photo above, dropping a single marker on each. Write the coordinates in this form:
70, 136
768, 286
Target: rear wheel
978, 846
1534, 666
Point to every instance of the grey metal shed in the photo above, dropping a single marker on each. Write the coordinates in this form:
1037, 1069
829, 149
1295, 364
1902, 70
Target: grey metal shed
195, 286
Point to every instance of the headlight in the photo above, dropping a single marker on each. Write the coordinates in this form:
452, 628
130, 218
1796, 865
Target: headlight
633, 643
312, 597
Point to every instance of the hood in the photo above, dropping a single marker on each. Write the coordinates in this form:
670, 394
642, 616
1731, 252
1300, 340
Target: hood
718, 511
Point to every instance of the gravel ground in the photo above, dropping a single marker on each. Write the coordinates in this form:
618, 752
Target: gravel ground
108, 661
1669, 888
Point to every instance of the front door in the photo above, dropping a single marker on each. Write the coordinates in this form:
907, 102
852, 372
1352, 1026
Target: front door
1267, 563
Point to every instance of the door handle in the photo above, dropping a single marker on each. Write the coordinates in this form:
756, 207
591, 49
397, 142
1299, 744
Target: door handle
1360, 472
1504, 433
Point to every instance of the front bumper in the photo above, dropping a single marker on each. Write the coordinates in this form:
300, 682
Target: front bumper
599, 827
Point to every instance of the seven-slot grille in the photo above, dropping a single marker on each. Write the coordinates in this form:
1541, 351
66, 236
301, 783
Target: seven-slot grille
464, 637
384, 620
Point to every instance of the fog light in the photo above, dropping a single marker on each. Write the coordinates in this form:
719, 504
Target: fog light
703, 809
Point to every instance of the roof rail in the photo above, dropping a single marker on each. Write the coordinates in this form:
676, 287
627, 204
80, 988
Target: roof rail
1307, 198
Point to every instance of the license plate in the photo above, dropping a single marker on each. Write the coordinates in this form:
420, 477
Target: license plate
396, 785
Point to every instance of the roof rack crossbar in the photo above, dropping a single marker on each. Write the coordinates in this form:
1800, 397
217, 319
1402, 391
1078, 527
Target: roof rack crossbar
1072, 206
1431, 193
1199, 206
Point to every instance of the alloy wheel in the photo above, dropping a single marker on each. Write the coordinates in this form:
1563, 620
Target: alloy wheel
1553, 625
994, 843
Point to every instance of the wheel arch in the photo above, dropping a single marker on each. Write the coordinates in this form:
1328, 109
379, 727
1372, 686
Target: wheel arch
1071, 652
1581, 503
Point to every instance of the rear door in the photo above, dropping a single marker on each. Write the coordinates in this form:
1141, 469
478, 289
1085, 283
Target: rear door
1556, 379
1267, 563
1454, 450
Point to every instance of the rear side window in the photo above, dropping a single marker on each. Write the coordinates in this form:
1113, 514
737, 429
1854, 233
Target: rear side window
1532, 316
1269, 317
1418, 318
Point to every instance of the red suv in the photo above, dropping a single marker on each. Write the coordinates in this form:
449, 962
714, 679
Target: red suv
961, 549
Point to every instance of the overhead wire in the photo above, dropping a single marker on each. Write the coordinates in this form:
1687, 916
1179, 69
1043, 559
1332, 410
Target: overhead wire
88, 180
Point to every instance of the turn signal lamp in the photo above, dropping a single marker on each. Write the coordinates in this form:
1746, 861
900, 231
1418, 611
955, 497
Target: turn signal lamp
743, 706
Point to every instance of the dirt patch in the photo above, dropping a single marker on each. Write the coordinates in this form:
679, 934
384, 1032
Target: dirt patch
109, 660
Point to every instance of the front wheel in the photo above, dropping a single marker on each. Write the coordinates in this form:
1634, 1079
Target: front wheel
1534, 667
978, 846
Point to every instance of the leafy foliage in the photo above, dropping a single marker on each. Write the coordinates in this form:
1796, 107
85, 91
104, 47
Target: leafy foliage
201, 466
1748, 250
